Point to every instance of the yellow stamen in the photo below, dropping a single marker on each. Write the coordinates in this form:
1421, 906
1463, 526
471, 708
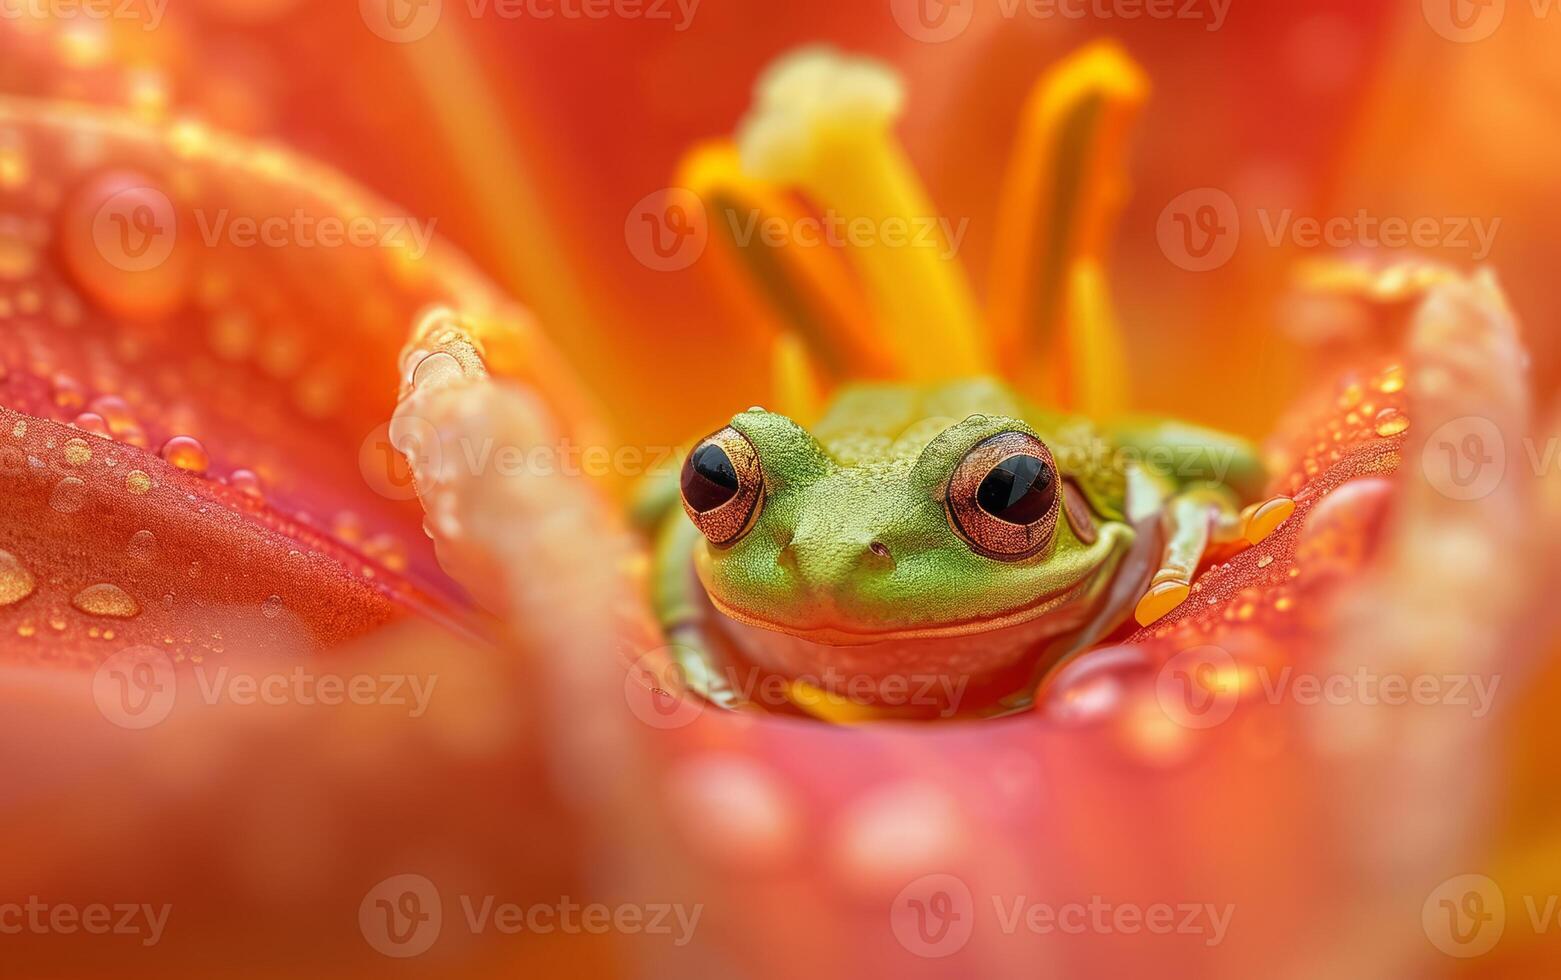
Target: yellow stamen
1065, 184
1095, 382
822, 122
797, 394
780, 284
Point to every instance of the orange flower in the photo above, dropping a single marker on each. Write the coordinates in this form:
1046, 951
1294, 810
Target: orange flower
277, 695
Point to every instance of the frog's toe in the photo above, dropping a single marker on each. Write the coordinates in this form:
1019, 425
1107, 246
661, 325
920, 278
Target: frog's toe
1261, 520
1158, 602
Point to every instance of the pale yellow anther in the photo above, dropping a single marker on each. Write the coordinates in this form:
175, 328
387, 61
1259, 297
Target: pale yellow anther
823, 122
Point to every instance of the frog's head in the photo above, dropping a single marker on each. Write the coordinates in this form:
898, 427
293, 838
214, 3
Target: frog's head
953, 531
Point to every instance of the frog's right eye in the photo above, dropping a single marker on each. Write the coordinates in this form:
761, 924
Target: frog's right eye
723, 485
1003, 497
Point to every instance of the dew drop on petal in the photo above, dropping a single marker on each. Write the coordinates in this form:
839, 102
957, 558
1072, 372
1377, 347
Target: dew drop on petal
143, 546
272, 607
106, 599
69, 495
247, 482
16, 582
91, 422
1391, 422
137, 482
187, 454
77, 452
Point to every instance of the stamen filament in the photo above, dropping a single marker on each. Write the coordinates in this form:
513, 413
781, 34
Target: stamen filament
1065, 184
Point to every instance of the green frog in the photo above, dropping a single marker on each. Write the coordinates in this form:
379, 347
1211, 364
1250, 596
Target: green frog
933, 550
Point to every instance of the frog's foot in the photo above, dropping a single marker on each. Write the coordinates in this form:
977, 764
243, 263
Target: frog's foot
1201, 517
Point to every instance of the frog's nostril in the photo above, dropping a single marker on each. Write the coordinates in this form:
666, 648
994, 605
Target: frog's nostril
880, 549
786, 555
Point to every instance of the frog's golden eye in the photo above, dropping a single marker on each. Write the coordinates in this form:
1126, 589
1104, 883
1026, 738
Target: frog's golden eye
723, 485
1003, 498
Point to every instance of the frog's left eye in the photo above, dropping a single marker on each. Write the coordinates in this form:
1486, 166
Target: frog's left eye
723, 485
1004, 497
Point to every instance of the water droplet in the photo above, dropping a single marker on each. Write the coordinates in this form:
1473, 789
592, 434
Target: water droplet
77, 452
187, 454
69, 495
67, 392
91, 422
137, 482
1265, 561
272, 607
1392, 380
19, 429
247, 482
143, 546
105, 599
16, 582
1390, 422
26, 629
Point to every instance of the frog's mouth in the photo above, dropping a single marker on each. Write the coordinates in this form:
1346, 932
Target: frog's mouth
1115, 548
1009, 647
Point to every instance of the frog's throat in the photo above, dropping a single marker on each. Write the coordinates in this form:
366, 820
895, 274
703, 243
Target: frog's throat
1116, 540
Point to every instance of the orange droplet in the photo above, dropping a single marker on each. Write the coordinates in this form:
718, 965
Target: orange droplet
1391, 422
187, 454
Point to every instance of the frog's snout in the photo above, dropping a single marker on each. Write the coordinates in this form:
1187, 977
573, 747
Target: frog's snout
827, 563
